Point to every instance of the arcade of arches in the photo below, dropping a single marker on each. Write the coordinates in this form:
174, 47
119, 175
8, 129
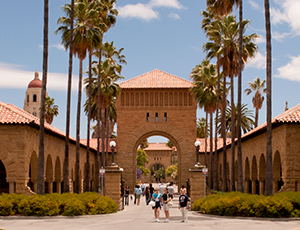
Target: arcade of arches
155, 103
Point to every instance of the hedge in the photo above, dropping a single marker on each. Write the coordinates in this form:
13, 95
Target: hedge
66, 204
285, 204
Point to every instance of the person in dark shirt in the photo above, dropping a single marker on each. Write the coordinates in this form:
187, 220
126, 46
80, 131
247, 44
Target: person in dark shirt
151, 189
183, 204
165, 199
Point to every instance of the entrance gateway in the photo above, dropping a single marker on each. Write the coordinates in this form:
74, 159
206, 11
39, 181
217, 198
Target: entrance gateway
156, 103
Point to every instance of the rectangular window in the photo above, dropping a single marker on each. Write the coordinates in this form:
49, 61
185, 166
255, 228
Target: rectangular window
156, 117
165, 117
147, 118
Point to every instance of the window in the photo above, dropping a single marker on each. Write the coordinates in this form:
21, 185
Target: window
147, 118
34, 98
156, 117
34, 113
165, 117
27, 98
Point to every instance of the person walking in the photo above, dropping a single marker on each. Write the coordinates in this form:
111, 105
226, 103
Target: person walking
143, 187
151, 190
126, 194
183, 204
137, 192
171, 189
148, 197
166, 198
156, 197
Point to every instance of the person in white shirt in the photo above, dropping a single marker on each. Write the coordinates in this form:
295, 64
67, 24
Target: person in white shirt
143, 187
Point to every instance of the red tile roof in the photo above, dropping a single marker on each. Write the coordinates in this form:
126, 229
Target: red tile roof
290, 116
219, 144
156, 79
12, 115
157, 146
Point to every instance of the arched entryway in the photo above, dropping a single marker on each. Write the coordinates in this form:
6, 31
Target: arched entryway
4, 187
277, 172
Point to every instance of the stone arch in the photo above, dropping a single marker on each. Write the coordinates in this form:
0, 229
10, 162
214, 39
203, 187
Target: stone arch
57, 176
49, 175
4, 186
277, 172
254, 178
248, 188
33, 171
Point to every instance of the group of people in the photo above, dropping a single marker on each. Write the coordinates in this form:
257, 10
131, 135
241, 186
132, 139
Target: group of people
161, 197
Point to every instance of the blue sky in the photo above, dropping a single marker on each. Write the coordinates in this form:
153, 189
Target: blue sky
155, 34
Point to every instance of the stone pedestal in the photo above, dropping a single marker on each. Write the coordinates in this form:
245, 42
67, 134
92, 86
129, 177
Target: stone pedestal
112, 187
196, 183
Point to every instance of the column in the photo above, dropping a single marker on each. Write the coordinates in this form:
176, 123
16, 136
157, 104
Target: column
112, 187
246, 185
261, 187
253, 187
275, 185
196, 183
11, 188
58, 187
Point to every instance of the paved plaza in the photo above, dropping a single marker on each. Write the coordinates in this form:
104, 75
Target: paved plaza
141, 217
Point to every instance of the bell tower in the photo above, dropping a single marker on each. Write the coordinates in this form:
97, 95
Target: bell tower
32, 102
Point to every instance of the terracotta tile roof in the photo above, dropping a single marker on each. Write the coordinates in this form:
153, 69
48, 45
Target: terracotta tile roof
93, 143
156, 79
157, 146
290, 116
219, 144
12, 115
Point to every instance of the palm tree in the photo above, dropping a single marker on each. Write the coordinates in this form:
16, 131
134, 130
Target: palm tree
257, 85
51, 110
269, 172
247, 120
41, 159
84, 37
205, 89
201, 128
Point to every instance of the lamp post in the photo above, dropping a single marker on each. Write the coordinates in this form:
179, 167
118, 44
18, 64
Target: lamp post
112, 145
197, 145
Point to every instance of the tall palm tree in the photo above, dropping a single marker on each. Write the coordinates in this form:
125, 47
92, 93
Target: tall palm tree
51, 110
84, 37
41, 159
201, 128
269, 168
205, 90
257, 85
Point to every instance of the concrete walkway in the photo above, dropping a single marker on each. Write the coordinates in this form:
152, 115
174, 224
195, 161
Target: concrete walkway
142, 217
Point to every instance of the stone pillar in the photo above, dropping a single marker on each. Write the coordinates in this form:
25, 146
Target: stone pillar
11, 188
112, 187
58, 187
253, 187
196, 183
275, 185
261, 187
50, 187
34, 187
246, 186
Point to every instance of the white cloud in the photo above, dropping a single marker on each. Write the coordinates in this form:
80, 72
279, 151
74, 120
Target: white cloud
279, 36
146, 11
173, 15
254, 4
289, 14
139, 11
258, 62
12, 76
290, 71
260, 39
165, 3
58, 46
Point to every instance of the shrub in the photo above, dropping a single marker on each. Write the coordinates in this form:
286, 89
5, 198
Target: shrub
6, 208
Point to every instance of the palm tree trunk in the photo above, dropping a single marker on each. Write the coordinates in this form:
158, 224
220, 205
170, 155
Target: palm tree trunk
98, 122
256, 117
224, 179
205, 144
87, 178
216, 133
66, 160
41, 167
232, 173
269, 172
211, 152
77, 168
239, 130
107, 131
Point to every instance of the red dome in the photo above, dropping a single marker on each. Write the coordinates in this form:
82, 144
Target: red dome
36, 83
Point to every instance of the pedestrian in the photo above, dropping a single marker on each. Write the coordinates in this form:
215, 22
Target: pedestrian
156, 197
151, 190
183, 204
161, 188
126, 193
137, 192
166, 198
171, 190
143, 187
148, 197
